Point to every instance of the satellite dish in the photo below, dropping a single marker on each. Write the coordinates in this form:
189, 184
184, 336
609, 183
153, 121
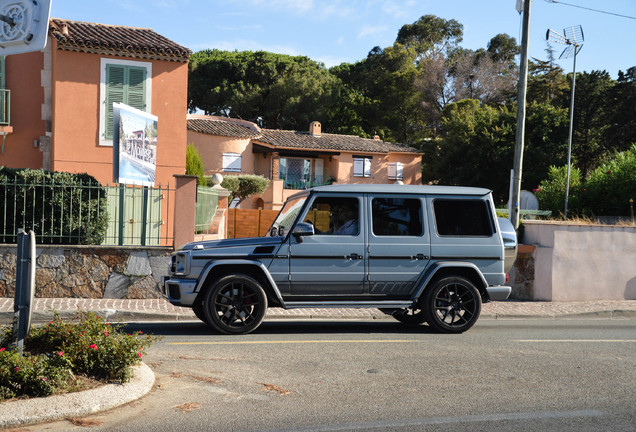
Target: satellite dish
527, 201
24, 25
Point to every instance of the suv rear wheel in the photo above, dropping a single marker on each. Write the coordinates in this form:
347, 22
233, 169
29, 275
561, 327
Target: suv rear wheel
235, 304
452, 305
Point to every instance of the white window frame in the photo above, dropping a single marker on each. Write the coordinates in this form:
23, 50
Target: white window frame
395, 170
362, 166
231, 162
102, 92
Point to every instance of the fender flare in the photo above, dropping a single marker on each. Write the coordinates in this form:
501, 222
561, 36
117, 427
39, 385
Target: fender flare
430, 273
239, 262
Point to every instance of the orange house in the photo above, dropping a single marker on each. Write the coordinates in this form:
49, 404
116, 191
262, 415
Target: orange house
61, 98
295, 160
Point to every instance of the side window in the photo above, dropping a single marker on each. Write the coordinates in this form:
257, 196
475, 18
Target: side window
397, 217
462, 217
334, 216
361, 166
122, 81
231, 162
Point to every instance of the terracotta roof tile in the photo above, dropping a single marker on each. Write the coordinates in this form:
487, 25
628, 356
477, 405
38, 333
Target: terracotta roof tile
221, 128
326, 141
283, 139
123, 41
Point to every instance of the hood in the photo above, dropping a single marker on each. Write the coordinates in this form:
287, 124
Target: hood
225, 243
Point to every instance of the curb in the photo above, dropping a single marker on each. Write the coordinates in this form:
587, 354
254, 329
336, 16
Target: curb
36, 410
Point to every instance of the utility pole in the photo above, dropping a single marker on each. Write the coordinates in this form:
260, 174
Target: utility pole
521, 117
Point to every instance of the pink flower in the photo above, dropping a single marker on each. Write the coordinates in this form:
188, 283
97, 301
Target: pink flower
60, 353
93, 346
139, 355
50, 322
1, 349
43, 378
106, 333
17, 369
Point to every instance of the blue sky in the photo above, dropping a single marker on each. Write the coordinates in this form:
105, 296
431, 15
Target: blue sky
336, 31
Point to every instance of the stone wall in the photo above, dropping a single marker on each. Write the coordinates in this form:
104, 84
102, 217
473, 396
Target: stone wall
90, 271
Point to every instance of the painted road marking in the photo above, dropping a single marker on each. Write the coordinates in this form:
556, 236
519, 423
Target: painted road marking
579, 340
410, 423
293, 342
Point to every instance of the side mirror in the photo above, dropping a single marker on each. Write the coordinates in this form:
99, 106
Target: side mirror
303, 229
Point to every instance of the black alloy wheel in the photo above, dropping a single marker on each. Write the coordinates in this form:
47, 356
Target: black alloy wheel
452, 305
235, 304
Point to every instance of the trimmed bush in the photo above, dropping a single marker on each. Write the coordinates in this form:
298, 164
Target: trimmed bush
60, 208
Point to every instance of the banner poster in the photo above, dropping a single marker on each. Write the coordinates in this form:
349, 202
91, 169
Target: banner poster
134, 146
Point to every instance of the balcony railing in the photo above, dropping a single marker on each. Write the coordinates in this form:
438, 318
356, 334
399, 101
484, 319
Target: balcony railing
301, 184
5, 107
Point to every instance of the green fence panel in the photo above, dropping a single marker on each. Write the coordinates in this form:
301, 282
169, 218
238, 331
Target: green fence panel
207, 203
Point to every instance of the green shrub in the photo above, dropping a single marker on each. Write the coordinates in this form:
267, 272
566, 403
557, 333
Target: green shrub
243, 185
60, 208
610, 187
551, 192
85, 345
194, 164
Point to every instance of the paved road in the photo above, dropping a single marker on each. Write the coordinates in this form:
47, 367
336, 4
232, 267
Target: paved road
376, 375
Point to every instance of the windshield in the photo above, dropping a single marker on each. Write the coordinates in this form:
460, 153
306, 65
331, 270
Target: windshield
287, 216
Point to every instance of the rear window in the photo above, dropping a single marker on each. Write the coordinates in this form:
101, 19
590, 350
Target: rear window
397, 217
462, 217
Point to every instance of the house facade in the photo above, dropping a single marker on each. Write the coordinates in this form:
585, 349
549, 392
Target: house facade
61, 98
296, 160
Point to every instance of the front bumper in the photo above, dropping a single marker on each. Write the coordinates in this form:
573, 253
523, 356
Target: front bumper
498, 292
179, 292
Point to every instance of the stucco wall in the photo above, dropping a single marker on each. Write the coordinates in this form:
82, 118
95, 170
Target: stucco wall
582, 262
90, 272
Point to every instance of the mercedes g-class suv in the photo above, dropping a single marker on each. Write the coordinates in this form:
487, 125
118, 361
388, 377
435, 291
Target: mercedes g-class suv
423, 254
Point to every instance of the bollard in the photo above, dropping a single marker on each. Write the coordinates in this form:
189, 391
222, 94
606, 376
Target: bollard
24, 288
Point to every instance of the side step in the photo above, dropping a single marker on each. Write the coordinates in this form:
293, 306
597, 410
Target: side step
392, 304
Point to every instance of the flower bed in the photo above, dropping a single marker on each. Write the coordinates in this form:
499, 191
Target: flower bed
62, 354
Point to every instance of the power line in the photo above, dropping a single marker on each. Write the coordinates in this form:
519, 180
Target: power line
594, 10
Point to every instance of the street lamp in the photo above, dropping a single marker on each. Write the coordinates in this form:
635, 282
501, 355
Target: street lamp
573, 38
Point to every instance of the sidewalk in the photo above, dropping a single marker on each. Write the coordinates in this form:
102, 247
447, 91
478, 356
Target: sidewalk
118, 310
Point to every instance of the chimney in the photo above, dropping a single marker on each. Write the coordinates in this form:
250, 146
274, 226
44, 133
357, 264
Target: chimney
376, 137
315, 129
65, 29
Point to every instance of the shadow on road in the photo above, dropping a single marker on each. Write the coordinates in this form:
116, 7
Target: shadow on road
287, 327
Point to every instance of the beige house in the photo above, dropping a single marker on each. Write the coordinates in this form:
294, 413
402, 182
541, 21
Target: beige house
295, 160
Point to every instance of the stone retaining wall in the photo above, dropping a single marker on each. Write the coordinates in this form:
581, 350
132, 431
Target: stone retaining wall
90, 271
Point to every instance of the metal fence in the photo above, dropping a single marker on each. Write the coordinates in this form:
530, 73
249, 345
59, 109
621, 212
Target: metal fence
207, 204
86, 213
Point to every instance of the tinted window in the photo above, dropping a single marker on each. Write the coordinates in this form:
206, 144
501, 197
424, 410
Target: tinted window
337, 216
397, 217
462, 218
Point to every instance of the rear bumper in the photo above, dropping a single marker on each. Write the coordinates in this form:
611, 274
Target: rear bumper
498, 292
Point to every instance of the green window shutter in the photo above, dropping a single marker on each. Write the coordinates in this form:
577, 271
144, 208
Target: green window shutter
124, 84
115, 86
136, 95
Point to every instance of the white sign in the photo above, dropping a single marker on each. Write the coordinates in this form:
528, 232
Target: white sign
24, 25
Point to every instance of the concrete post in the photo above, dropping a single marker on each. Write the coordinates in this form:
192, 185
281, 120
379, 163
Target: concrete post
185, 203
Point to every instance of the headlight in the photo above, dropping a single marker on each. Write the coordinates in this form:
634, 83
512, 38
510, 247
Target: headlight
178, 264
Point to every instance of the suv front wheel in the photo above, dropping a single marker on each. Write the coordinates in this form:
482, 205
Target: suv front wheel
235, 304
452, 305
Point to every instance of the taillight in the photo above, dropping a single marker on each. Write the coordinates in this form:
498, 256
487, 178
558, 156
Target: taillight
507, 277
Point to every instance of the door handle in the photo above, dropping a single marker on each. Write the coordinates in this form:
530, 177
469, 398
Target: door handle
353, 256
420, 257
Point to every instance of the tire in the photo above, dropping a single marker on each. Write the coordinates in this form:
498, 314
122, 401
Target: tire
452, 305
199, 312
235, 304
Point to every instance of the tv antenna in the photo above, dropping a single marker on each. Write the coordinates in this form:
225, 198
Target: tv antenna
23, 25
572, 38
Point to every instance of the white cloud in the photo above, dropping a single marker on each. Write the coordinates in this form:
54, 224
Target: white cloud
368, 30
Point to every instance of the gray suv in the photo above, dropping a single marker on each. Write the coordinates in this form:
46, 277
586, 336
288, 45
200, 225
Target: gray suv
423, 254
